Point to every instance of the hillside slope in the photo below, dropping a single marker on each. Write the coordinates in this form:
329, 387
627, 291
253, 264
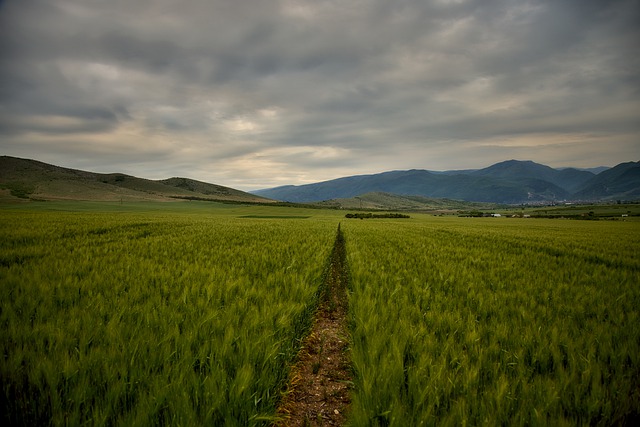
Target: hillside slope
31, 179
620, 182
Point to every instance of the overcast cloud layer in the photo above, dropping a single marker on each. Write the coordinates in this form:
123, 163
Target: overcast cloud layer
254, 94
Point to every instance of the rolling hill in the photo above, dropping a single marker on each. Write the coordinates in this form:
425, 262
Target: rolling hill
34, 180
509, 182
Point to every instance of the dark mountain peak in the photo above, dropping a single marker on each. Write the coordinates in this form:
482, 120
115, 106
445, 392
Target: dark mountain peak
569, 179
513, 162
516, 162
624, 166
511, 181
517, 169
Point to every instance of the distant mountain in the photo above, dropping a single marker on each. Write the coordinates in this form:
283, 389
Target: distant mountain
572, 179
595, 170
568, 179
619, 182
517, 169
30, 179
509, 182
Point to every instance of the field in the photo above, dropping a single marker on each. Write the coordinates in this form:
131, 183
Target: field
192, 313
128, 318
495, 321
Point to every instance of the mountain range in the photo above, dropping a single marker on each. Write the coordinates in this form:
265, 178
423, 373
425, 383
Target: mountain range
508, 182
34, 180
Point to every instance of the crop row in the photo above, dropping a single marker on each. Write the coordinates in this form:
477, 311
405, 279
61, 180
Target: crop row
129, 319
469, 322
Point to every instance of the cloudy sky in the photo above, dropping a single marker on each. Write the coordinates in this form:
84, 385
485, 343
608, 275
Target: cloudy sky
258, 93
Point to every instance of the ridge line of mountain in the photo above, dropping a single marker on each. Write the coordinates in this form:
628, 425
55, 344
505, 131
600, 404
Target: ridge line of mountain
508, 182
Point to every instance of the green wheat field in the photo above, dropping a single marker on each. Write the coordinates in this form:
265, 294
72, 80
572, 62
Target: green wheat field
191, 313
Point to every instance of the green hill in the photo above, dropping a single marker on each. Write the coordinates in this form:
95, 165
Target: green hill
24, 179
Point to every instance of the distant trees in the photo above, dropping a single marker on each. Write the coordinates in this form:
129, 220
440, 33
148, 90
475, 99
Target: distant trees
371, 215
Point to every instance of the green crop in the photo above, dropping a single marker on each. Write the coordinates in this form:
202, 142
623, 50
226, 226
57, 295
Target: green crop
151, 318
494, 322
192, 314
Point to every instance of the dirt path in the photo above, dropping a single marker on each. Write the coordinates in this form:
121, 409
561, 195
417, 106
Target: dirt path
318, 391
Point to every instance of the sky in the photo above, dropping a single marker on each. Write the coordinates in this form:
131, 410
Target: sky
260, 93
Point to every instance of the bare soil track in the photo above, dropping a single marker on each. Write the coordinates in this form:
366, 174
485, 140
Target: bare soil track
318, 393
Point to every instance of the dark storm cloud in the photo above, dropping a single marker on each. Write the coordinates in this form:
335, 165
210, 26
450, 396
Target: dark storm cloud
260, 92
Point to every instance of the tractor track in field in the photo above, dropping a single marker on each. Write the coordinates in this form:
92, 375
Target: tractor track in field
318, 393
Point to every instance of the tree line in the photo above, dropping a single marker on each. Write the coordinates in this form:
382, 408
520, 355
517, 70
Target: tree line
371, 215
